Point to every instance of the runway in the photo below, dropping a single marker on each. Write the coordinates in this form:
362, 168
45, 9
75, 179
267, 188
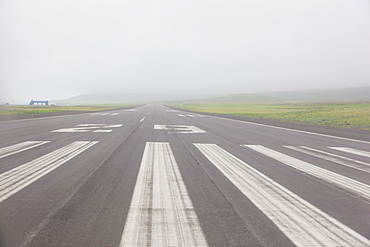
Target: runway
156, 176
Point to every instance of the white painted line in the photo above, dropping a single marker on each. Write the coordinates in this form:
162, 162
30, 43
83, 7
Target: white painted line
161, 212
113, 126
90, 125
356, 164
352, 151
160, 127
130, 110
105, 113
337, 180
300, 221
102, 131
190, 115
18, 178
71, 130
294, 130
180, 115
20, 147
142, 120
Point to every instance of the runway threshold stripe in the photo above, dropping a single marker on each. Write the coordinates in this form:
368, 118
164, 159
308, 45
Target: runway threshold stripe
300, 221
356, 164
161, 212
18, 178
20, 147
337, 180
352, 151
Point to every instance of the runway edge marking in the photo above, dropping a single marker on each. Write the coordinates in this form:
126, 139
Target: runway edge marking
300, 131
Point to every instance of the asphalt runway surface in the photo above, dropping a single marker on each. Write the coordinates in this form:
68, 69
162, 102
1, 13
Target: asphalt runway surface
156, 176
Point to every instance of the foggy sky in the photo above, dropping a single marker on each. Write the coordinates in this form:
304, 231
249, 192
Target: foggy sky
52, 49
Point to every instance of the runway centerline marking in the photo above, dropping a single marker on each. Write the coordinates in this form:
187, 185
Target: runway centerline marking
161, 212
300, 221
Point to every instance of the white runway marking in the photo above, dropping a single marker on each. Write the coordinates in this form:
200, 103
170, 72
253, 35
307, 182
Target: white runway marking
300, 221
89, 128
161, 212
294, 130
352, 151
105, 113
189, 115
181, 129
18, 178
20, 147
142, 120
338, 180
363, 166
130, 110
99, 114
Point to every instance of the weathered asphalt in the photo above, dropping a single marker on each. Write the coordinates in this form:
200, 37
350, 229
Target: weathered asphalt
87, 200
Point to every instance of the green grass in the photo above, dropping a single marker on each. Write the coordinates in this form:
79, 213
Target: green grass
348, 115
9, 110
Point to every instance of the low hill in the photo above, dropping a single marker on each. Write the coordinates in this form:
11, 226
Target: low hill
344, 94
128, 98
334, 95
244, 98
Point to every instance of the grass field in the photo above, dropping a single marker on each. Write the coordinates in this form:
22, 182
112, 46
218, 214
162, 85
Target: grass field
9, 110
348, 115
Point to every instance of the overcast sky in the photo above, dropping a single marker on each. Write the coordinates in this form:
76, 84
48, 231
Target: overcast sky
51, 49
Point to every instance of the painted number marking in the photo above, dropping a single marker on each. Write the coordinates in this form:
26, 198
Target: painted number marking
102, 128
182, 129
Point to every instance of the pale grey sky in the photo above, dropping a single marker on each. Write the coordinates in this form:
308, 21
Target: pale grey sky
53, 49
